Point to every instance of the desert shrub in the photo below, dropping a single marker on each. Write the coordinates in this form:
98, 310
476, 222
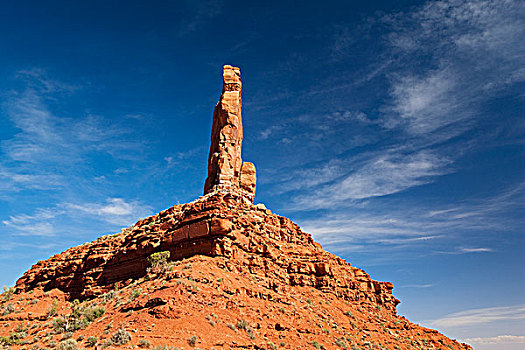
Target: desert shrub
8, 309
91, 314
143, 343
316, 345
271, 345
107, 343
135, 293
349, 314
231, 326
121, 337
53, 309
92, 341
68, 344
8, 293
79, 318
67, 335
193, 340
242, 324
159, 258
341, 343
109, 295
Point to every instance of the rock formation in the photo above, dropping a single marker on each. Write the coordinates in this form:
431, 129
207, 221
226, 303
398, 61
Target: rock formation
226, 169
238, 276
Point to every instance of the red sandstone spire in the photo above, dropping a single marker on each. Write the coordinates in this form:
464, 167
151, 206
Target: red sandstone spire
226, 169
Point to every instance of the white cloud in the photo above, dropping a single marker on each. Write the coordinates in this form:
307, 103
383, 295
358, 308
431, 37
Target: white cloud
475, 250
500, 339
428, 285
481, 316
474, 47
56, 220
380, 176
38, 224
428, 102
116, 211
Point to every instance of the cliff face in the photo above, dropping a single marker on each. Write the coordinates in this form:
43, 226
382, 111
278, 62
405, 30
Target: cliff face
239, 277
220, 224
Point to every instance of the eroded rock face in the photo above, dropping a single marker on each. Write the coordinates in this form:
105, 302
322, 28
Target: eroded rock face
220, 224
224, 161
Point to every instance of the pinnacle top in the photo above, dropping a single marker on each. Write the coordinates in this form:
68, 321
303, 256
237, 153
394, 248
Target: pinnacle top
226, 170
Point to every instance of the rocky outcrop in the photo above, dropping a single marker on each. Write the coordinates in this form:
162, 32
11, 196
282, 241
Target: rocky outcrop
220, 224
224, 161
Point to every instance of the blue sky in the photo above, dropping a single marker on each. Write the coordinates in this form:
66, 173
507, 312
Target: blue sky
392, 131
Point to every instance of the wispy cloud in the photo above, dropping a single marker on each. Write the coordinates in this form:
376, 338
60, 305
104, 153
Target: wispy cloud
116, 211
49, 150
481, 316
500, 339
432, 229
427, 285
475, 48
38, 224
379, 176
199, 13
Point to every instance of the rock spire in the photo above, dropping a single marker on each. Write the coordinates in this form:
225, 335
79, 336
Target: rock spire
226, 170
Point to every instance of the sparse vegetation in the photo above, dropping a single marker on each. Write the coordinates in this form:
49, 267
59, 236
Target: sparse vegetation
135, 293
79, 318
193, 340
8, 293
341, 343
92, 341
242, 324
9, 308
145, 344
160, 262
317, 345
68, 344
271, 345
121, 337
107, 343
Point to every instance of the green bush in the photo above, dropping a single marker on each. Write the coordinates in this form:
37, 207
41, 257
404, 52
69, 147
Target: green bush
121, 337
135, 293
158, 259
79, 318
316, 345
143, 343
242, 324
107, 343
53, 309
68, 344
193, 340
92, 341
91, 314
